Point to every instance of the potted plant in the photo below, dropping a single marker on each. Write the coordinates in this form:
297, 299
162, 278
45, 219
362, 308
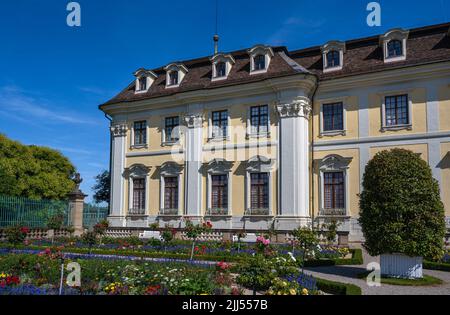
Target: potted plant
402, 215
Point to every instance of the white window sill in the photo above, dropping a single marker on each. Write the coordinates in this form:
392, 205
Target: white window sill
338, 68
219, 139
219, 78
139, 146
333, 133
258, 71
258, 135
394, 59
172, 86
141, 91
169, 143
396, 128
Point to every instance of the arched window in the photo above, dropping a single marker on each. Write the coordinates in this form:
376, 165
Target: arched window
333, 59
395, 48
143, 84
260, 62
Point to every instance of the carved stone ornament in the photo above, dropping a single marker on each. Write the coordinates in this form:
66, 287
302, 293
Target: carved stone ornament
194, 121
119, 130
300, 107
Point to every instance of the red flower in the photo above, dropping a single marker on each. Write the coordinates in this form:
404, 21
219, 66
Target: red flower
24, 230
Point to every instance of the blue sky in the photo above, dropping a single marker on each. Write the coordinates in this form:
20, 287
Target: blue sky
53, 77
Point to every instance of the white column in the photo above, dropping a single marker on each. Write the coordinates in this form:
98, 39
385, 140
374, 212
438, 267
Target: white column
119, 132
294, 158
193, 178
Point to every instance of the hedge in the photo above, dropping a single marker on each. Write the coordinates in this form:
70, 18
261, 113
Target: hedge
337, 288
431, 265
357, 259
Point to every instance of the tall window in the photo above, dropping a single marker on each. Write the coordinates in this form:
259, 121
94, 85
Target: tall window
221, 69
173, 77
259, 62
259, 191
395, 48
259, 119
139, 194
333, 59
219, 191
396, 110
170, 125
220, 124
334, 194
170, 193
140, 132
333, 117
142, 84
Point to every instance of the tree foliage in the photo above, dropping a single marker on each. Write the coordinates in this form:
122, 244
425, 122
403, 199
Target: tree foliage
34, 172
401, 209
102, 187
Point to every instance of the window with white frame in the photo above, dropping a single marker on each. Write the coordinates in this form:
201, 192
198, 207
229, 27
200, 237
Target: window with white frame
219, 187
333, 56
396, 112
170, 188
140, 133
144, 80
175, 74
393, 44
219, 124
259, 120
221, 66
333, 117
260, 58
173, 78
259, 186
171, 129
333, 179
138, 188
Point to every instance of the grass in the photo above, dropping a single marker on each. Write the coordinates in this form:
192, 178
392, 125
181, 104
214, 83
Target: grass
425, 281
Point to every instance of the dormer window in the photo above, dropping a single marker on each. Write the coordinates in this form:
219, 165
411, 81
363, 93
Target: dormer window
393, 44
394, 48
221, 66
144, 80
175, 74
173, 78
260, 57
333, 56
260, 62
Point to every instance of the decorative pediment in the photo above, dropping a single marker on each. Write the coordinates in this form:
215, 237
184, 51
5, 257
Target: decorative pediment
171, 169
333, 45
141, 72
334, 162
219, 166
137, 170
260, 164
397, 33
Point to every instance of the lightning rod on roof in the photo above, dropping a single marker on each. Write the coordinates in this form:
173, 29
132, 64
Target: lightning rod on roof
216, 36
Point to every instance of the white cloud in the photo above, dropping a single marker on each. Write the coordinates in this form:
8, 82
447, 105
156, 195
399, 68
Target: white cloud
28, 106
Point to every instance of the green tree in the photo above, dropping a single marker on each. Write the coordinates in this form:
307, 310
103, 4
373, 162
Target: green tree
401, 209
102, 187
34, 172
307, 240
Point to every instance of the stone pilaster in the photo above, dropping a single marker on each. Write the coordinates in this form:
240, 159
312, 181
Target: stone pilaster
294, 161
76, 205
193, 178
119, 133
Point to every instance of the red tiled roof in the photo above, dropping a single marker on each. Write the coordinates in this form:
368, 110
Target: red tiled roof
425, 45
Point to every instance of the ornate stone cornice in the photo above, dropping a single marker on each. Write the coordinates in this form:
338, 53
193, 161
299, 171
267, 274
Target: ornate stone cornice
119, 130
194, 121
299, 107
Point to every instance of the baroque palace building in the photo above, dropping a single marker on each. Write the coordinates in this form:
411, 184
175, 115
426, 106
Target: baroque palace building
268, 137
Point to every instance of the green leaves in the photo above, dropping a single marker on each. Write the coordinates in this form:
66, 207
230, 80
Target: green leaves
401, 209
34, 172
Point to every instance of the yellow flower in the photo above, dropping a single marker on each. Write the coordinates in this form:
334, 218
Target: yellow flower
280, 293
270, 292
293, 291
305, 292
285, 284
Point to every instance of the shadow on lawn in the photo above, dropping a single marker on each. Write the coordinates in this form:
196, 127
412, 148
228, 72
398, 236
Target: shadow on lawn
344, 271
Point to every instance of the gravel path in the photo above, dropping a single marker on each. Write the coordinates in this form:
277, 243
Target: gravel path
348, 274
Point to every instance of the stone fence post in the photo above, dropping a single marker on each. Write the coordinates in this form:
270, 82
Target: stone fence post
76, 206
